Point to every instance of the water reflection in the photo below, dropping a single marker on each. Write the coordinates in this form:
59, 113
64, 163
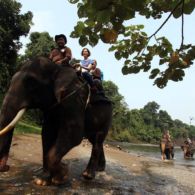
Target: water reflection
153, 151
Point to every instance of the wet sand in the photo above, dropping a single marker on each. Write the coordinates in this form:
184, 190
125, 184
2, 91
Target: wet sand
125, 173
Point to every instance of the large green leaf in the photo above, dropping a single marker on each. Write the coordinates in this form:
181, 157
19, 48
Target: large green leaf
73, 1
83, 40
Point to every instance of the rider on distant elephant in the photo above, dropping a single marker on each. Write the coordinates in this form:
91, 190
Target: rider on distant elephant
188, 148
167, 148
62, 54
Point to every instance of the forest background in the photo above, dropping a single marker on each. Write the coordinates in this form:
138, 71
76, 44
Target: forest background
129, 125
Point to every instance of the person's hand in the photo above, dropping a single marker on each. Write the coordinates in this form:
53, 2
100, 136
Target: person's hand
86, 68
90, 66
62, 60
76, 65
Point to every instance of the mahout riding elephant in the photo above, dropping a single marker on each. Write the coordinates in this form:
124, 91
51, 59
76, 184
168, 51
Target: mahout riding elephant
68, 116
167, 150
188, 150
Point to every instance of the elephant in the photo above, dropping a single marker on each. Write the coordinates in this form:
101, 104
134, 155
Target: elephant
167, 150
69, 115
188, 150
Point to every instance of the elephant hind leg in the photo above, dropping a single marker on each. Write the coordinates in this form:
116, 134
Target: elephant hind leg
89, 172
96, 162
88, 175
102, 161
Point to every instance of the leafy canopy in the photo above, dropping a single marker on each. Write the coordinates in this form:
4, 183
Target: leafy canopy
106, 21
145, 124
13, 25
41, 43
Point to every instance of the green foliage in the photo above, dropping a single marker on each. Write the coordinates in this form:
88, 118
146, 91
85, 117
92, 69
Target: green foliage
106, 21
143, 125
24, 127
34, 117
119, 107
40, 44
13, 25
124, 136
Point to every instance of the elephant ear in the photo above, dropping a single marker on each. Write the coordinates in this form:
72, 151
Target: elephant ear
60, 94
64, 83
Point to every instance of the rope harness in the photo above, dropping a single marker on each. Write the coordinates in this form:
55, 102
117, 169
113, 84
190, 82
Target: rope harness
71, 94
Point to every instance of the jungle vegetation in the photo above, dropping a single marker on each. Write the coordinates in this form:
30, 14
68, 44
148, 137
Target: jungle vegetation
129, 44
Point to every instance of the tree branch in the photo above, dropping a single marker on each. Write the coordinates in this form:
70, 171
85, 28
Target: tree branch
166, 19
182, 26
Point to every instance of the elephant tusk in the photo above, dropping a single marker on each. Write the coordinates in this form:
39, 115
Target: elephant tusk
13, 122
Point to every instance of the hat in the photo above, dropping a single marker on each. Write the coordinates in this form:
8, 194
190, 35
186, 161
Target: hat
61, 36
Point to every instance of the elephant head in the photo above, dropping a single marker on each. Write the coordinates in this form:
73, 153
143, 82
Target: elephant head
44, 85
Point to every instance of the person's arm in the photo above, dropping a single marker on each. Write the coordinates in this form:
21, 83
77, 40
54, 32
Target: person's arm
168, 137
86, 68
68, 55
51, 54
92, 65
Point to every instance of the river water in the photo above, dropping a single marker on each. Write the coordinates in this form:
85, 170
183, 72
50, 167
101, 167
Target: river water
153, 151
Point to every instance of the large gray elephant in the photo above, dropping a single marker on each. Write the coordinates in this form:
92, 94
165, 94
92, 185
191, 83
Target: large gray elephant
68, 116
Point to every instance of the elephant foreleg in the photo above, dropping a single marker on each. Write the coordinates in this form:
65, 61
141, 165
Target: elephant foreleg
3, 164
49, 137
5, 143
56, 172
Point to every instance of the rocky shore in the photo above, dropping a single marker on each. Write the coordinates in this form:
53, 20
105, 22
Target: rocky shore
125, 173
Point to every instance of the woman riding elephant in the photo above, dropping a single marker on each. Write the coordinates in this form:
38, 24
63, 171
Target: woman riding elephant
63, 98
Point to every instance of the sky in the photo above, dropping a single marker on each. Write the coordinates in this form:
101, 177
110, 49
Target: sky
60, 17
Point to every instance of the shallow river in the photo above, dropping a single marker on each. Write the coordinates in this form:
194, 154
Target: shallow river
153, 151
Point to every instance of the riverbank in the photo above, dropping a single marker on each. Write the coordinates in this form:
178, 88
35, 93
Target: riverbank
125, 173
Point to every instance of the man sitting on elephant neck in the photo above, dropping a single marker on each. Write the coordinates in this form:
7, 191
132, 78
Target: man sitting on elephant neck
62, 54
